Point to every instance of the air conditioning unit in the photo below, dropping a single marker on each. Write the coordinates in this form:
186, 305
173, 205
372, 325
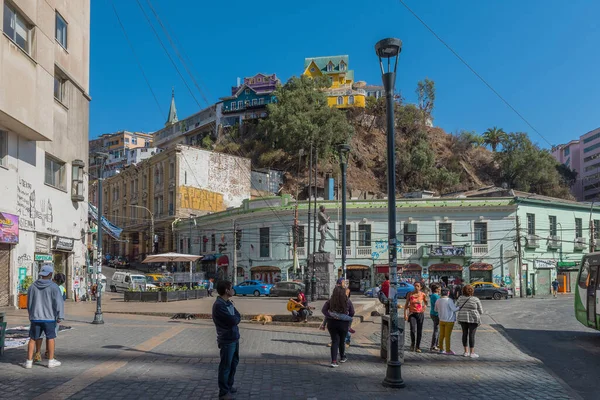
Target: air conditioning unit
532, 242
580, 243
554, 242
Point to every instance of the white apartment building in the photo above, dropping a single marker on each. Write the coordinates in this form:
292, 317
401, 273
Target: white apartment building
44, 118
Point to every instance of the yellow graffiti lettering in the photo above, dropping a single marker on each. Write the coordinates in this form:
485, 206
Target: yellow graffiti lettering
200, 199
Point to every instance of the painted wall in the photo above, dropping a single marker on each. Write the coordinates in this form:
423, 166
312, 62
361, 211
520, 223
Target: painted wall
195, 199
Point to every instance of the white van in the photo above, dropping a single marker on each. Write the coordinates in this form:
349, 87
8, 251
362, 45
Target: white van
123, 280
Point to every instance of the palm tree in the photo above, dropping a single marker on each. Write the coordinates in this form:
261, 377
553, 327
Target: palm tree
494, 137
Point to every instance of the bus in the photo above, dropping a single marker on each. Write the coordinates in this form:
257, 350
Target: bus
587, 292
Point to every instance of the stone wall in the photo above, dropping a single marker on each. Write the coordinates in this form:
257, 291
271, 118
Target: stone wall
326, 274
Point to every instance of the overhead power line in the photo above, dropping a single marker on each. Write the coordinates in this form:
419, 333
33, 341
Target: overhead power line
482, 79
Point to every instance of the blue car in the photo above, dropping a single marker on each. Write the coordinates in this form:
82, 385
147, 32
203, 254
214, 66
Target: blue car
403, 289
256, 288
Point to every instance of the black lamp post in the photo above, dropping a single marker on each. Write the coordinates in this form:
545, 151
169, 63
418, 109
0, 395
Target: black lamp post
98, 316
343, 150
390, 49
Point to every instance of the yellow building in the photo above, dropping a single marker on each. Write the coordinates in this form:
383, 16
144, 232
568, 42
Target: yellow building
341, 94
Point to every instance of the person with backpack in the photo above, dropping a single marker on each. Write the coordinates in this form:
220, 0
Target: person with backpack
446, 310
469, 318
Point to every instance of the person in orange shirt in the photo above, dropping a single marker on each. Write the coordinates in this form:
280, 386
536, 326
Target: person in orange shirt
414, 313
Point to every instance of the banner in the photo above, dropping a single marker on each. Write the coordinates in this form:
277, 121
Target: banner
109, 228
9, 228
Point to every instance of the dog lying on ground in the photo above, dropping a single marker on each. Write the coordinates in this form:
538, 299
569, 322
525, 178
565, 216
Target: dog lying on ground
263, 318
183, 316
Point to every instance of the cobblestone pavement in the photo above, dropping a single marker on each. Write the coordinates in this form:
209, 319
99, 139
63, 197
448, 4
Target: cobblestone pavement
156, 358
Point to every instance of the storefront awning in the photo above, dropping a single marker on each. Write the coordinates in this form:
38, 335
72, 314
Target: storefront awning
223, 261
410, 267
356, 267
445, 267
264, 269
481, 267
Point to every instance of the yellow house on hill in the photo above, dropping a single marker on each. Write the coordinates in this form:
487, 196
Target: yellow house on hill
341, 94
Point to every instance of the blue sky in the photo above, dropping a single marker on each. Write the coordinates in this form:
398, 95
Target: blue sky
541, 55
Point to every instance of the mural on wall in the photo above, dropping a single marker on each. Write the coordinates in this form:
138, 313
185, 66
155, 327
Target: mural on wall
32, 209
200, 199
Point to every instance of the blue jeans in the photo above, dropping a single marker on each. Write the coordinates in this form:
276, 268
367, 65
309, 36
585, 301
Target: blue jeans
230, 357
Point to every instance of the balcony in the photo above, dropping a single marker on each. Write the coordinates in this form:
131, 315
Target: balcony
409, 251
348, 251
532, 242
580, 243
480, 250
363, 251
554, 242
445, 251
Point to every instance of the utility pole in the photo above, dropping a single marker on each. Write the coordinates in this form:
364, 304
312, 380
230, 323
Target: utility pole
520, 260
592, 230
296, 226
307, 269
313, 283
235, 246
98, 316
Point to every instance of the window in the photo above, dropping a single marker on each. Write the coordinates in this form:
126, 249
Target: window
59, 86
578, 228
171, 203
157, 205
240, 105
264, 235
3, 147
247, 91
340, 100
16, 28
261, 101
552, 222
351, 100
238, 239
144, 182
254, 102
171, 170
233, 107
410, 234
347, 235
590, 148
329, 67
480, 232
596, 229
204, 244
364, 235
586, 140
61, 30
126, 140
133, 140
213, 242
445, 233
342, 66
530, 224
299, 235
55, 173
157, 175
567, 150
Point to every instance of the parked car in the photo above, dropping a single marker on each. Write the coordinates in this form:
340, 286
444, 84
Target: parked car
123, 280
489, 290
256, 288
119, 262
286, 289
403, 289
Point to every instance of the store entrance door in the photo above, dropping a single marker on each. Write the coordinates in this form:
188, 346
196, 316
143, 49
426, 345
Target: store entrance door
4, 275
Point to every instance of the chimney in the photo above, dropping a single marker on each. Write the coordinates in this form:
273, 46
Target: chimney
239, 81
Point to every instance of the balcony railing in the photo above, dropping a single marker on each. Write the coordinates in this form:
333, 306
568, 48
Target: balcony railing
348, 251
363, 251
480, 249
409, 251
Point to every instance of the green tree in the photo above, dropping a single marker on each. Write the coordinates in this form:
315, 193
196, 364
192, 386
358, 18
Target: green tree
494, 137
568, 175
426, 98
301, 116
524, 166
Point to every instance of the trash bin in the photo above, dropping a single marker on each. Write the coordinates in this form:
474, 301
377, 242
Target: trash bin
385, 333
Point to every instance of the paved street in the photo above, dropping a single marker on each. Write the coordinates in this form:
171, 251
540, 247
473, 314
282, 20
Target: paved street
548, 330
154, 357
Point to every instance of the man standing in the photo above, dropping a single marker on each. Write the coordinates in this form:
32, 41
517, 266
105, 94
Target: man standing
226, 319
555, 285
323, 227
46, 309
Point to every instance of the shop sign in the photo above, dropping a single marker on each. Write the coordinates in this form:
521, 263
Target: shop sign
447, 251
543, 264
566, 264
9, 228
42, 257
42, 243
63, 243
76, 283
22, 274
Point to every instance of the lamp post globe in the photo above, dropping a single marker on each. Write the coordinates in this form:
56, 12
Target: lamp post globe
389, 49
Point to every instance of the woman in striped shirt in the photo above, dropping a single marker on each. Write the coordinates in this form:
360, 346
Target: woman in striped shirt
469, 317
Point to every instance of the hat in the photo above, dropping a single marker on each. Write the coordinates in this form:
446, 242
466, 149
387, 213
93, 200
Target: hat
340, 281
46, 270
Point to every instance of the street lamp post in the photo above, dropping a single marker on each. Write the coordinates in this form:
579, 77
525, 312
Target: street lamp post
390, 49
151, 224
343, 150
98, 316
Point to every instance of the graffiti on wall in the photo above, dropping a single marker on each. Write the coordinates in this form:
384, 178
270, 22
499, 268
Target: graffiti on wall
200, 199
382, 247
32, 209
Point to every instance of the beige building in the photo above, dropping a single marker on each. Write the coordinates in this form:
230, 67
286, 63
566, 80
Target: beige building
180, 182
117, 146
44, 114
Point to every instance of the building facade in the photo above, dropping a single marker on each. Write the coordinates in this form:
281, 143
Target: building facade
440, 239
44, 118
177, 183
116, 145
341, 93
248, 100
